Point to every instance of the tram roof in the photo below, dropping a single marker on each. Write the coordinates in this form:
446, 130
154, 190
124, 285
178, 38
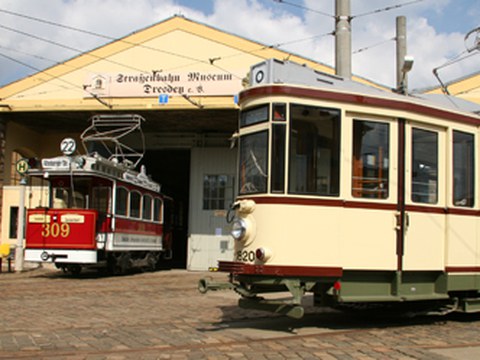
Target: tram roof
291, 73
82, 165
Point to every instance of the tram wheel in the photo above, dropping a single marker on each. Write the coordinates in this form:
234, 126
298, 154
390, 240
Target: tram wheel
74, 269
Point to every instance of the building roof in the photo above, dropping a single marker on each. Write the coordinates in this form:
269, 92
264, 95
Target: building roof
175, 45
466, 88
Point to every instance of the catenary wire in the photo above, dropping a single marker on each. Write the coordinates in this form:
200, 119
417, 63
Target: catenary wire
388, 8
304, 8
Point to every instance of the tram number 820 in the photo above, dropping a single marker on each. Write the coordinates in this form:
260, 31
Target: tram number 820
56, 230
246, 256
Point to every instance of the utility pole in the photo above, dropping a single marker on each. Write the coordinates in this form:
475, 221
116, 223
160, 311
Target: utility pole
404, 62
343, 39
402, 81
20, 226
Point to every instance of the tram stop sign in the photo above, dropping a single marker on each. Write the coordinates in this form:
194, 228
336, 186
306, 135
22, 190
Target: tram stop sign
22, 166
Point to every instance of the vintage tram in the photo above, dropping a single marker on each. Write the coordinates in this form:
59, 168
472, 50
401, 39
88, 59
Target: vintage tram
354, 194
101, 213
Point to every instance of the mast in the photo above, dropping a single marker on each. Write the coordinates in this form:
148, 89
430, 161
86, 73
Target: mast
343, 39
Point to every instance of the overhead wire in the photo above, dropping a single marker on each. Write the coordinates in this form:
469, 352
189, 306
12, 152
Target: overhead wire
372, 46
103, 36
195, 60
211, 61
304, 8
78, 51
57, 78
388, 8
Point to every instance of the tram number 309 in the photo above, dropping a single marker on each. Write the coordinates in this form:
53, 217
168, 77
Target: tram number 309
246, 256
56, 230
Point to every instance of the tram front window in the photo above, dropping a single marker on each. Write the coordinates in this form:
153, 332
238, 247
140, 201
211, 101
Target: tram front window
84, 194
253, 163
64, 195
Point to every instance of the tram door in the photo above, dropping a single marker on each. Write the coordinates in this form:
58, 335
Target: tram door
425, 197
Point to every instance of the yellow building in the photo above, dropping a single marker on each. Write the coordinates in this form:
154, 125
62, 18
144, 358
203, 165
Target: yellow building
467, 88
182, 77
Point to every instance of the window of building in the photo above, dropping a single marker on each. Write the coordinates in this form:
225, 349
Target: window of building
314, 151
424, 166
217, 192
121, 201
370, 160
463, 169
12, 233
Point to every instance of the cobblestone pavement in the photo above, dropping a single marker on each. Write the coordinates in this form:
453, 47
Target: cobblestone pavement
45, 314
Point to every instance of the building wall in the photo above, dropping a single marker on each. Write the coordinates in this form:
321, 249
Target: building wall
209, 239
34, 196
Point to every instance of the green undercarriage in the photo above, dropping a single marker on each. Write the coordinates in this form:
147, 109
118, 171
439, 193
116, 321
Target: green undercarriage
460, 291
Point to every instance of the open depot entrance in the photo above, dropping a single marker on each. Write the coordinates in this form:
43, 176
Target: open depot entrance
170, 136
171, 168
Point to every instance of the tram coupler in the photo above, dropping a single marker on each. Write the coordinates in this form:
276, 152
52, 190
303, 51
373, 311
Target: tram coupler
292, 310
207, 284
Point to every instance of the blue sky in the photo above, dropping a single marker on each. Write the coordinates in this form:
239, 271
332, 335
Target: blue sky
435, 31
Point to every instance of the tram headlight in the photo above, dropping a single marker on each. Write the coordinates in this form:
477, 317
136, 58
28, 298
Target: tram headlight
239, 228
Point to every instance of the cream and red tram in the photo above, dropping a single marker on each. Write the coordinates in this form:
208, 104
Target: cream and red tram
100, 214
354, 194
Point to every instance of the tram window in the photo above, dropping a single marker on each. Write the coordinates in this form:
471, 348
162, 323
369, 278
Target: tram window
424, 166
279, 112
60, 198
101, 198
278, 158
314, 151
370, 159
463, 169
135, 200
147, 207
253, 163
157, 210
121, 201
254, 116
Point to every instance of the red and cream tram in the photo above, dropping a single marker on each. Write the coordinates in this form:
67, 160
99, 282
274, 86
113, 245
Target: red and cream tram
101, 213
353, 194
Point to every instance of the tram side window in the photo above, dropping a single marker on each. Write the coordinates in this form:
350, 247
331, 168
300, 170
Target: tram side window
463, 169
121, 201
314, 150
135, 200
253, 163
278, 158
157, 210
147, 207
370, 159
101, 198
424, 166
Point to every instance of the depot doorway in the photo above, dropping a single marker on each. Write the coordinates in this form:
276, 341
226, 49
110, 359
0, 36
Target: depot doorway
171, 168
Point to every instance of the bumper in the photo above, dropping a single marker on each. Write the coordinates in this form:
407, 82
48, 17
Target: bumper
61, 256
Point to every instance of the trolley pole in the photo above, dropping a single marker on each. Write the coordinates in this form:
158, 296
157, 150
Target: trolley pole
20, 226
343, 39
